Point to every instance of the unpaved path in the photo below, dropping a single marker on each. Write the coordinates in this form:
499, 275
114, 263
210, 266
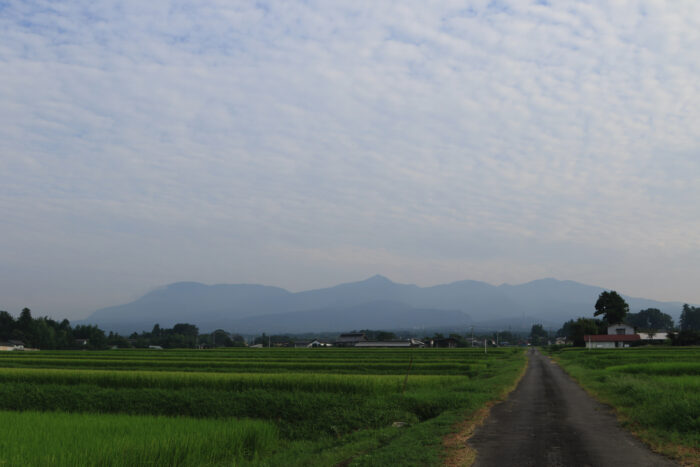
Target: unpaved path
550, 421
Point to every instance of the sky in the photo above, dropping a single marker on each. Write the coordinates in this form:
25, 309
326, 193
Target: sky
307, 143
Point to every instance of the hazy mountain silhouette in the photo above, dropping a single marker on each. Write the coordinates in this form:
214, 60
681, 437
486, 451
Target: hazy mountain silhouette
375, 303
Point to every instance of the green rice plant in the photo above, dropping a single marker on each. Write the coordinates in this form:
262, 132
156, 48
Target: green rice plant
325, 405
61, 439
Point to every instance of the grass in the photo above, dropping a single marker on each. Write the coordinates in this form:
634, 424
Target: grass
62, 439
656, 392
308, 407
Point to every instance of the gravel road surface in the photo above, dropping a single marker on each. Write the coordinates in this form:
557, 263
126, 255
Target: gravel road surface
550, 421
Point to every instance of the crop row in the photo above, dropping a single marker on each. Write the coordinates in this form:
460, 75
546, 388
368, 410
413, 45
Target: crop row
346, 384
61, 439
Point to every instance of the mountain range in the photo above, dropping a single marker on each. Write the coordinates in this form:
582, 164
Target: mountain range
375, 303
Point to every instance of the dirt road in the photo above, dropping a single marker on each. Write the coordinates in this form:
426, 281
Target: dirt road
550, 421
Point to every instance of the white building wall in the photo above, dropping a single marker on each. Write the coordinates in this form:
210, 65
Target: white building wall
613, 329
600, 345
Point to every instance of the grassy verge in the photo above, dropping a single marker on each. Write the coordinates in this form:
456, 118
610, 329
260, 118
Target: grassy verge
655, 391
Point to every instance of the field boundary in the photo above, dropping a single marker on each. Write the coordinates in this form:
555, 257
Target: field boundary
456, 446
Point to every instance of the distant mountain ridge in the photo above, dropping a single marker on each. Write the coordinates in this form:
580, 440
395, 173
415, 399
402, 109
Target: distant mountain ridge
374, 303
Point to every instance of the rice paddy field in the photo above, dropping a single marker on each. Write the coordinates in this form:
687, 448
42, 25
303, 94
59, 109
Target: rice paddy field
243, 406
655, 390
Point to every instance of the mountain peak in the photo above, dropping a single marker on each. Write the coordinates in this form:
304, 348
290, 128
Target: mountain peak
378, 279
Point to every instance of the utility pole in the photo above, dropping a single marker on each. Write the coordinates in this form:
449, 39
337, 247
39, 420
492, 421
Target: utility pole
472, 336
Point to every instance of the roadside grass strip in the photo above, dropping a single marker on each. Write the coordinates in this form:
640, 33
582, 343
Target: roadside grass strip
656, 393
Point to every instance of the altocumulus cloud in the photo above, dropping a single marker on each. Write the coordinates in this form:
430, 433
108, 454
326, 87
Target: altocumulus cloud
305, 143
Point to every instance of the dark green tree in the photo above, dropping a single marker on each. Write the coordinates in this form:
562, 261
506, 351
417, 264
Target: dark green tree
7, 324
575, 330
613, 307
690, 318
651, 319
385, 336
25, 320
538, 335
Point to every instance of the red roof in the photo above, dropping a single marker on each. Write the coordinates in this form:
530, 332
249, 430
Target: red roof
611, 338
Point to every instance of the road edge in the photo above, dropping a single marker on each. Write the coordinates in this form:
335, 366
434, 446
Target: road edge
667, 450
457, 451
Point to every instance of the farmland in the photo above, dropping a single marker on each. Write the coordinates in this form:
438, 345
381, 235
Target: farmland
243, 406
655, 390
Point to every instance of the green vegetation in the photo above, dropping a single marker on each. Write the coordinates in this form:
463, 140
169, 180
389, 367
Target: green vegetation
656, 391
613, 307
243, 406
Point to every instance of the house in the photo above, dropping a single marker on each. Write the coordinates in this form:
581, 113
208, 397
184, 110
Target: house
410, 343
81, 342
311, 344
658, 336
619, 335
155, 347
11, 345
620, 330
350, 339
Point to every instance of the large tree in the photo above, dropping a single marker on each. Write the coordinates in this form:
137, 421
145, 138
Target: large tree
613, 307
690, 318
575, 330
651, 319
538, 335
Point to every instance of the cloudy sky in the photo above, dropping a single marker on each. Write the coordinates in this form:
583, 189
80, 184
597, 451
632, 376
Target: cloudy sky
307, 143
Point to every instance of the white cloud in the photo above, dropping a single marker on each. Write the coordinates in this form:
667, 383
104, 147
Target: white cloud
543, 137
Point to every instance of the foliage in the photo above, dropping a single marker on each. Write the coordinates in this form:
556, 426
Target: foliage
46, 333
575, 330
538, 335
612, 306
182, 335
651, 319
690, 318
314, 407
661, 400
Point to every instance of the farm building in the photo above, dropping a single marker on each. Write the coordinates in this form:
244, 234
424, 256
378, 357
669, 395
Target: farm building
658, 336
311, 344
619, 335
350, 339
11, 345
391, 344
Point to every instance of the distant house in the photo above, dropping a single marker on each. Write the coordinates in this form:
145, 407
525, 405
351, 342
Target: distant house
81, 342
619, 335
658, 336
311, 344
11, 345
410, 343
256, 346
155, 347
350, 339
620, 330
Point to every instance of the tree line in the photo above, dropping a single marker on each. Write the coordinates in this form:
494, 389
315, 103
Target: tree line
612, 309
48, 334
